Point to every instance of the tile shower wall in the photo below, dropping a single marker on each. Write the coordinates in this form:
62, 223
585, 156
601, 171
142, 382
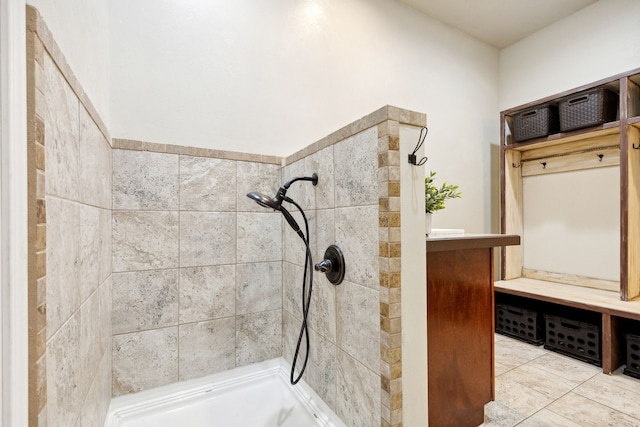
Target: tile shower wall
70, 159
344, 363
197, 283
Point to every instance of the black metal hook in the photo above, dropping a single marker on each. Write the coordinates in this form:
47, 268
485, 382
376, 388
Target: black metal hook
600, 156
634, 146
412, 156
544, 165
515, 166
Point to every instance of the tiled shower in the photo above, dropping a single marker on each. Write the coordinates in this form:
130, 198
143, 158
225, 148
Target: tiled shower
149, 265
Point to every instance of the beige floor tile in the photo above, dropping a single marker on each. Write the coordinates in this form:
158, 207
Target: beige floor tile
500, 369
546, 418
497, 414
512, 353
617, 378
600, 390
550, 385
588, 413
566, 367
519, 397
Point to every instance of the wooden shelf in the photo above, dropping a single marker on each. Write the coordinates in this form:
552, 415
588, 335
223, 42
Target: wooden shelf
574, 296
610, 128
609, 144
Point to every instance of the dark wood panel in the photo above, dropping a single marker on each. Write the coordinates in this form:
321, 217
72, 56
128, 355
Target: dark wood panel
460, 336
613, 342
470, 241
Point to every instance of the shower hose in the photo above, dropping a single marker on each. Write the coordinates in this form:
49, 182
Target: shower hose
306, 299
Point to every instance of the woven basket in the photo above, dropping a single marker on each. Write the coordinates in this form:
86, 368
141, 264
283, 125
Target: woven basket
588, 109
535, 122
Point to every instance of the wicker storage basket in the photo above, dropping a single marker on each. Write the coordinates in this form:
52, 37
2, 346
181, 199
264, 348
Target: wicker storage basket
535, 122
588, 109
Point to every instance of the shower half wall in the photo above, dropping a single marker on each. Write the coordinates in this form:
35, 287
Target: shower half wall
206, 280
69, 208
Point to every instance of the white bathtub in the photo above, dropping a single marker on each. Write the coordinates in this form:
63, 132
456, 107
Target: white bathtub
254, 395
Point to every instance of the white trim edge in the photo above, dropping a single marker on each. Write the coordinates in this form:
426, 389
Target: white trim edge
13, 215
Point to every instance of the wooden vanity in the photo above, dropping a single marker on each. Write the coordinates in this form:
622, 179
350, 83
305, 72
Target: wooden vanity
460, 316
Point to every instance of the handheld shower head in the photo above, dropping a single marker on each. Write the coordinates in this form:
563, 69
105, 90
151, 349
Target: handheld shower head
276, 202
264, 201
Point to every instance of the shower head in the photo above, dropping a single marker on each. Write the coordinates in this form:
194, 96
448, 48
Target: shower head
276, 202
265, 201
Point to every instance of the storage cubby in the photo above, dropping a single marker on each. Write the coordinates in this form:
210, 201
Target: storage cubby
574, 197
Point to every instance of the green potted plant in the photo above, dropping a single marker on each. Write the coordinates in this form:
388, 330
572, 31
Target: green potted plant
435, 197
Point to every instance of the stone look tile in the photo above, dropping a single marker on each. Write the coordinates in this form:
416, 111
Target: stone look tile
497, 414
207, 238
207, 348
292, 276
258, 287
144, 180
602, 391
91, 246
358, 327
259, 237
258, 337
96, 170
144, 300
587, 413
356, 170
523, 399
207, 184
290, 332
322, 312
322, 163
105, 251
325, 231
294, 249
64, 370
565, 367
358, 393
512, 353
541, 381
322, 369
63, 274
60, 114
303, 192
357, 236
256, 177
145, 240
207, 293
546, 418
96, 405
95, 333
146, 359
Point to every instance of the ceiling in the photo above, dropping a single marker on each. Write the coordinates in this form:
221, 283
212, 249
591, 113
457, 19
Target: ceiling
499, 23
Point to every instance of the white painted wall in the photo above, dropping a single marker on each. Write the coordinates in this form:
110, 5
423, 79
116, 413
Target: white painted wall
14, 384
81, 29
273, 77
414, 290
597, 42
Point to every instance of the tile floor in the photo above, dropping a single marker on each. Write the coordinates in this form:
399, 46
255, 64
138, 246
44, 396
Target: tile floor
539, 388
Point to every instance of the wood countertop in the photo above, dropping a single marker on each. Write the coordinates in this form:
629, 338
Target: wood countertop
457, 241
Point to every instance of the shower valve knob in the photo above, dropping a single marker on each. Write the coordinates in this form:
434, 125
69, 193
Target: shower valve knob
332, 265
323, 266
